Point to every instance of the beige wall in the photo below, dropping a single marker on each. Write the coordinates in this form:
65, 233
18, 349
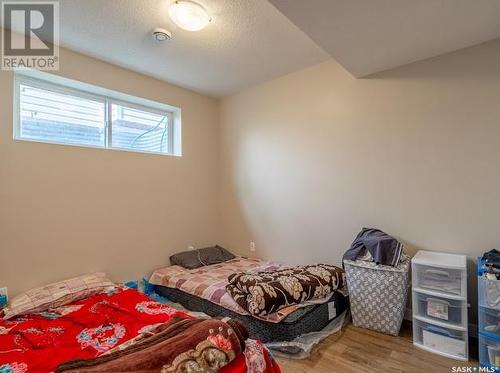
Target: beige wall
298, 165
310, 158
68, 210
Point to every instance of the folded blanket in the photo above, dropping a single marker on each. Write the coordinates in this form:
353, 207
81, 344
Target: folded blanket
180, 345
382, 248
263, 293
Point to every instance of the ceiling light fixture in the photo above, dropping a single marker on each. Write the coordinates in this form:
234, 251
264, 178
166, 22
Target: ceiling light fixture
189, 15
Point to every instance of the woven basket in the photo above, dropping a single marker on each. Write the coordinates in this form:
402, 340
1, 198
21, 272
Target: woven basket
378, 294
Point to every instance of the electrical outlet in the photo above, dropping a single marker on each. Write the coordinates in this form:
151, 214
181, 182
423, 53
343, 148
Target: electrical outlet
252, 246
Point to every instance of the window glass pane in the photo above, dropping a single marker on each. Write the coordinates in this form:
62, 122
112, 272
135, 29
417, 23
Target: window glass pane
139, 130
51, 116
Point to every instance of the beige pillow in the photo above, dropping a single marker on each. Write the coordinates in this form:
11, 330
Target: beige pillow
57, 294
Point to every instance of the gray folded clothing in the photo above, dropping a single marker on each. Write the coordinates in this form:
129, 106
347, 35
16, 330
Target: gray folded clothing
383, 248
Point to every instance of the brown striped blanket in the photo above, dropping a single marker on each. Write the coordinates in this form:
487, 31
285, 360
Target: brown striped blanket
180, 345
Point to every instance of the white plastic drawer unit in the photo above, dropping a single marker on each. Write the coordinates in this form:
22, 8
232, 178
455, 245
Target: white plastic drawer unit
444, 310
440, 340
447, 277
439, 295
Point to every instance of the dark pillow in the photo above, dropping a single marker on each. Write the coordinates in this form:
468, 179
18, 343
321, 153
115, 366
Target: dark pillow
201, 257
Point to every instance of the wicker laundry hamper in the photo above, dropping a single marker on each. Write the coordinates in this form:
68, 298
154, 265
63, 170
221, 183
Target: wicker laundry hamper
378, 294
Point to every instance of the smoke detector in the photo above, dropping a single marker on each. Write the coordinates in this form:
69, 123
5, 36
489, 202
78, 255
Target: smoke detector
161, 35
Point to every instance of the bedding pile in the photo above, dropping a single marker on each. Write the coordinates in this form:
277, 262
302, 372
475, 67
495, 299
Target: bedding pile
209, 282
304, 303
123, 328
265, 293
176, 346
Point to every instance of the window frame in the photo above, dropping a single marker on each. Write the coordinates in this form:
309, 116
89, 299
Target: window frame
108, 100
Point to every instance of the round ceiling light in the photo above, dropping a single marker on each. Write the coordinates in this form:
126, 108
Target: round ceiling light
189, 15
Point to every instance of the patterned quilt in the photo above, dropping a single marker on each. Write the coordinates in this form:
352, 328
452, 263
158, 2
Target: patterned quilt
265, 293
95, 326
210, 283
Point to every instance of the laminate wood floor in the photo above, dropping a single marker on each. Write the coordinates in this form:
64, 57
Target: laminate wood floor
361, 350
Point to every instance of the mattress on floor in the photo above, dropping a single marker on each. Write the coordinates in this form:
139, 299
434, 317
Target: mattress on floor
209, 282
306, 319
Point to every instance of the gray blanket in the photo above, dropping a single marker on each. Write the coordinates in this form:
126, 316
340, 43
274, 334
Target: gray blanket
383, 248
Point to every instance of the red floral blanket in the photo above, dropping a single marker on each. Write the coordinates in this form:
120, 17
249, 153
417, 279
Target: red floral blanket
86, 329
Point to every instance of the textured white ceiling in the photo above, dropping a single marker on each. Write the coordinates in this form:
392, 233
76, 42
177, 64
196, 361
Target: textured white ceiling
248, 42
251, 41
367, 36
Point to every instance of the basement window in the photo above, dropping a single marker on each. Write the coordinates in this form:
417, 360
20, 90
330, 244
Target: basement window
57, 110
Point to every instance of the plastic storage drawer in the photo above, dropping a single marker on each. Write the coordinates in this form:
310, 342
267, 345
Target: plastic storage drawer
444, 280
441, 309
489, 321
489, 293
489, 351
445, 340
